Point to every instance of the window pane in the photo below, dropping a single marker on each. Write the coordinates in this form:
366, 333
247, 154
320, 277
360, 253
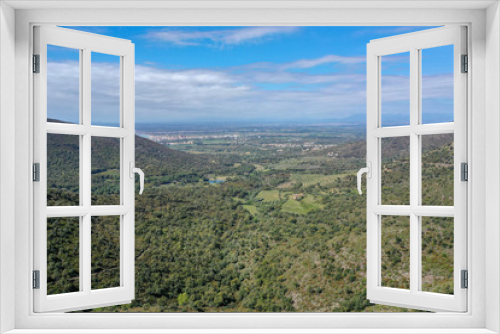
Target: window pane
63, 255
63, 165
63, 84
395, 89
437, 254
395, 250
105, 252
105, 89
395, 171
437, 169
105, 171
437, 84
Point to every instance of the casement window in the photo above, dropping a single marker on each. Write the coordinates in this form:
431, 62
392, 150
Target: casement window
407, 216
83, 215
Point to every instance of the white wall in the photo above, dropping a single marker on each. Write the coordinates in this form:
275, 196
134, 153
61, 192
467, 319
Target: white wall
7, 161
492, 166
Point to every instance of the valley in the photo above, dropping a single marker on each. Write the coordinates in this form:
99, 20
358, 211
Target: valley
250, 219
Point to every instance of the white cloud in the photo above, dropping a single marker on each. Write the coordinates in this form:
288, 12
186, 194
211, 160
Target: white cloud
308, 63
63, 85
328, 59
219, 37
437, 86
246, 34
164, 95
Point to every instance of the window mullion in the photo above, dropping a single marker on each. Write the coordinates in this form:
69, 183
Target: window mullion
418, 168
414, 172
85, 177
82, 284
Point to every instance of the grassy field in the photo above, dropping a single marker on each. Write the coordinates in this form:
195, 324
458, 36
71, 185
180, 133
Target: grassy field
300, 163
312, 179
251, 208
303, 206
285, 185
218, 177
269, 195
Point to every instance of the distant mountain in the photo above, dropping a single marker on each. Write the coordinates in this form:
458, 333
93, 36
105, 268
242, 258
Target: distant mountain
354, 119
394, 119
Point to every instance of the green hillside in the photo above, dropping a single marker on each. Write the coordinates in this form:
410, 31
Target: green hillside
268, 239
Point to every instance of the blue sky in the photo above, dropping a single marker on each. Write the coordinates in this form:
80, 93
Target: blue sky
247, 74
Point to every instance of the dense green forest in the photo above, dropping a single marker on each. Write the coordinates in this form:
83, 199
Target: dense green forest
266, 221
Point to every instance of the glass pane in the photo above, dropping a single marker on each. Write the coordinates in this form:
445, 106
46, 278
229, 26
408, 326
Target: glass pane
437, 254
63, 84
395, 90
395, 171
105, 89
105, 252
395, 252
63, 255
105, 171
437, 169
437, 84
63, 165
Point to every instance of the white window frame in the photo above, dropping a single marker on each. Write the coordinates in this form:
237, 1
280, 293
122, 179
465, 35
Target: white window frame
85, 43
484, 213
414, 43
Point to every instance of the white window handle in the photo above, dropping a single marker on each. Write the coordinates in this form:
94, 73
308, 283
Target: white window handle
368, 171
134, 170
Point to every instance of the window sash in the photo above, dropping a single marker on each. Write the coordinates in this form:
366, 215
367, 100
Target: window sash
85, 298
414, 297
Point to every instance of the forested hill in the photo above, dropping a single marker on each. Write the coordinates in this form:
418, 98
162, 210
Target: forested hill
392, 147
157, 159
153, 158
